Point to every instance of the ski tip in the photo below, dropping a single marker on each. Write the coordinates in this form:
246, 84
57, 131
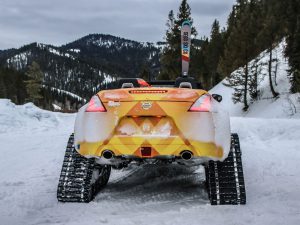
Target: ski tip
186, 22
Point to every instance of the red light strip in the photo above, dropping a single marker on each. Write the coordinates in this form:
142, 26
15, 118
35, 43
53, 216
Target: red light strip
148, 91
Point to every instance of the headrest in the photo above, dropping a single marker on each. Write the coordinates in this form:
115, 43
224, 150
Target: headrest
185, 85
127, 85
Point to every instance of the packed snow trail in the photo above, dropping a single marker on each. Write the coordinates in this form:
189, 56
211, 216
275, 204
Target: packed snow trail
33, 145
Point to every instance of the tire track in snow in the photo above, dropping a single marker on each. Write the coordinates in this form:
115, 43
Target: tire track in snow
151, 187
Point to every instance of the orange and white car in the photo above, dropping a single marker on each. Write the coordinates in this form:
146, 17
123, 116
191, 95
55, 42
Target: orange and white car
118, 126
137, 123
152, 125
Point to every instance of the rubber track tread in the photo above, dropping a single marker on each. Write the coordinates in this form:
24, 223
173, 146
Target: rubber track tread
225, 180
76, 183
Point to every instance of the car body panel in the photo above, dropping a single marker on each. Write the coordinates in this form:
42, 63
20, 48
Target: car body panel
157, 118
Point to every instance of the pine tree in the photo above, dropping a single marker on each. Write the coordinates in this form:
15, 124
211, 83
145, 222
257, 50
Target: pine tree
270, 34
214, 52
226, 65
200, 70
167, 59
241, 48
12, 85
34, 82
293, 44
295, 60
255, 71
145, 73
2, 88
171, 56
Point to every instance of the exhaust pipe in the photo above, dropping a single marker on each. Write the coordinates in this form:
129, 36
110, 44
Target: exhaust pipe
186, 155
107, 154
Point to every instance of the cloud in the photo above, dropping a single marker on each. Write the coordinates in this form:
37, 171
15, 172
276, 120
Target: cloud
61, 21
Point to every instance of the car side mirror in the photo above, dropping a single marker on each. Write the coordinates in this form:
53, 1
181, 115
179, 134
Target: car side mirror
217, 97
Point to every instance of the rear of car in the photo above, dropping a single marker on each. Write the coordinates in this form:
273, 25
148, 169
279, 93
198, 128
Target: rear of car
139, 124
152, 123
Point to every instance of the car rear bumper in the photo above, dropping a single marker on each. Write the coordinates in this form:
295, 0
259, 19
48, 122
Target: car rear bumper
152, 149
204, 134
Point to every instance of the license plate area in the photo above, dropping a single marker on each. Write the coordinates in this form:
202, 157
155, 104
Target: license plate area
146, 151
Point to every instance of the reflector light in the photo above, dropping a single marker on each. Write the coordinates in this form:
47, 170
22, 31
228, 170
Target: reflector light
148, 91
203, 104
95, 105
146, 151
143, 83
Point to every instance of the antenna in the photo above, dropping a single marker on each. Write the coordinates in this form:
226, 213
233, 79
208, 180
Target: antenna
185, 46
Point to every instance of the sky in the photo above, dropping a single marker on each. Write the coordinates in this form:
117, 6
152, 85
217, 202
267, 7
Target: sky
61, 21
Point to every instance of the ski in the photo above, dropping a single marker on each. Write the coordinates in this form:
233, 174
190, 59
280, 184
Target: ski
185, 46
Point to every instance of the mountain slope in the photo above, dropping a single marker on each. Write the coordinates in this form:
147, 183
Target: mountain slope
62, 70
116, 55
286, 105
85, 66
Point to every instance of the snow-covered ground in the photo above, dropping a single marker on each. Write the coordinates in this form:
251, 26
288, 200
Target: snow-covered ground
33, 145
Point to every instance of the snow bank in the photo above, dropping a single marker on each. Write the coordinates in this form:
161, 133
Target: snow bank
17, 118
287, 105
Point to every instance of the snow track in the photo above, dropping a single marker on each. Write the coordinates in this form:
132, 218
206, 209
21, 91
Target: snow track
32, 152
156, 184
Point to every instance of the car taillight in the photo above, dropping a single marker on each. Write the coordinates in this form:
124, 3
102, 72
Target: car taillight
203, 104
143, 83
95, 105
